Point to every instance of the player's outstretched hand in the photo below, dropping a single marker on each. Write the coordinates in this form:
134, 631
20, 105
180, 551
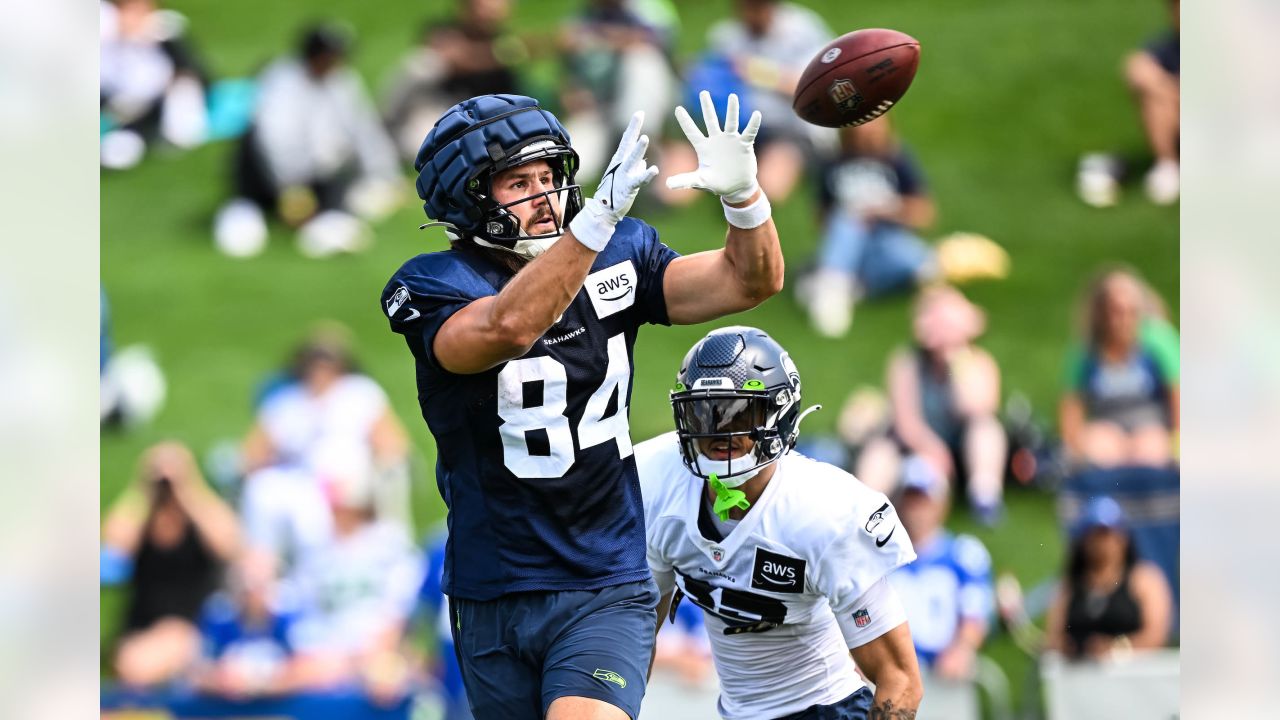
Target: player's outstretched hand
726, 158
627, 172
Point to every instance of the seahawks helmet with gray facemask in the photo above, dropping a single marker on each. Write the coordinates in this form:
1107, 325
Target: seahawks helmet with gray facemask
736, 382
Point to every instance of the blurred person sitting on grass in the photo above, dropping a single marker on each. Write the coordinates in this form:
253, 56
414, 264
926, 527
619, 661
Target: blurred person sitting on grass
874, 203
246, 633
1152, 74
1110, 600
947, 591
170, 534
944, 394
356, 593
455, 59
315, 156
322, 407
323, 398
1122, 385
768, 44
151, 85
617, 57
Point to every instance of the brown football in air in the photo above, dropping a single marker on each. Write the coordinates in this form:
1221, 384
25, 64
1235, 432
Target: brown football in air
857, 77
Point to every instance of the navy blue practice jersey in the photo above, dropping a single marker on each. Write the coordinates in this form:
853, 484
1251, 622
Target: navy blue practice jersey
534, 456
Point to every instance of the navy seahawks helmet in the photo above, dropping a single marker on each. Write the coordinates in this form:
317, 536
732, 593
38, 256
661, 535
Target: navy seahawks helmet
475, 140
737, 381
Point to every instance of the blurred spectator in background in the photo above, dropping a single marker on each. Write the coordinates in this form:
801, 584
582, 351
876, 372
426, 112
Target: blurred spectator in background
246, 635
151, 85
682, 647
1153, 76
1110, 600
455, 60
1121, 400
618, 57
324, 398
171, 534
324, 408
356, 594
944, 394
874, 202
768, 45
947, 591
315, 153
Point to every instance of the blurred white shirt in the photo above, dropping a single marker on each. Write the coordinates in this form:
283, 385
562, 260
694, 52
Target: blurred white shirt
300, 424
309, 128
355, 588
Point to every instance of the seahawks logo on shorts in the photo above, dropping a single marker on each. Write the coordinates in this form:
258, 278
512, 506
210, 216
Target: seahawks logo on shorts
610, 676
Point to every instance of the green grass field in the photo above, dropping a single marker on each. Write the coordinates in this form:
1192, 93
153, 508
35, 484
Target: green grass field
1009, 94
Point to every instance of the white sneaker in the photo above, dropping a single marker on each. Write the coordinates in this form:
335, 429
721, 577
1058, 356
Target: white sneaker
1163, 182
239, 229
373, 199
121, 149
1096, 180
831, 303
332, 232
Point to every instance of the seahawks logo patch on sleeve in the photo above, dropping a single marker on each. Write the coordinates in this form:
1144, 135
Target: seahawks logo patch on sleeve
397, 301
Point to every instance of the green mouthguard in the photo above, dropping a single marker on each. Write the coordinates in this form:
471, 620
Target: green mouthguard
726, 498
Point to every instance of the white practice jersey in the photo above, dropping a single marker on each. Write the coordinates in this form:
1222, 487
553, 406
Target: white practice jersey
781, 591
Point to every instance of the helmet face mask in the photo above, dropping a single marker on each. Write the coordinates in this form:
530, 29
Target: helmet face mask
736, 385
500, 227
473, 142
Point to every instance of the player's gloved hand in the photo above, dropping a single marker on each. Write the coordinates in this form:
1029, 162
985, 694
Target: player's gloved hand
726, 158
626, 173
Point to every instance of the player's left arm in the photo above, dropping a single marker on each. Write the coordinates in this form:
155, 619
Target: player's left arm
854, 573
749, 269
889, 661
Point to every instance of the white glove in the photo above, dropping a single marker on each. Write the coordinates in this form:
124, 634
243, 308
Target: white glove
726, 159
627, 172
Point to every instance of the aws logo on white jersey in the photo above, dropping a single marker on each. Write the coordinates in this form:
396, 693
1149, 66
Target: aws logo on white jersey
612, 289
777, 573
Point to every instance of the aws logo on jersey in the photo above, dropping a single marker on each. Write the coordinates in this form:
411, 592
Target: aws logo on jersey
777, 573
612, 289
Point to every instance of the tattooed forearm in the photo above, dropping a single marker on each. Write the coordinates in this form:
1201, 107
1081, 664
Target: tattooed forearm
884, 710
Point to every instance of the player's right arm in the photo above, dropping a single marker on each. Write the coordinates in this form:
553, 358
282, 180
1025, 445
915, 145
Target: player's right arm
493, 330
496, 329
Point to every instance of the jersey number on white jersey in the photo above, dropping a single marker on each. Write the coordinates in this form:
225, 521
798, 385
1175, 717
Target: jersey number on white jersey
741, 611
594, 428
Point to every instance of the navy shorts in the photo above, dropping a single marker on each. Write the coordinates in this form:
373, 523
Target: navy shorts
521, 651
854, 707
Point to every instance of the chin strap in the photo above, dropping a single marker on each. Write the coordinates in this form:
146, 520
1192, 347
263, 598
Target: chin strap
726, 498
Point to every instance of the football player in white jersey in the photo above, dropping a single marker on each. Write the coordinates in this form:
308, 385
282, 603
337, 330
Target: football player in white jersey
787, 556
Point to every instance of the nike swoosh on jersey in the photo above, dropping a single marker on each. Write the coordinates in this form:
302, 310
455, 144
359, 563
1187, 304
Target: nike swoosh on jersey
880, 543
414, 316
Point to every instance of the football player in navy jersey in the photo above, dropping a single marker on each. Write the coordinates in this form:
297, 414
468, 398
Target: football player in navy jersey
522, 335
